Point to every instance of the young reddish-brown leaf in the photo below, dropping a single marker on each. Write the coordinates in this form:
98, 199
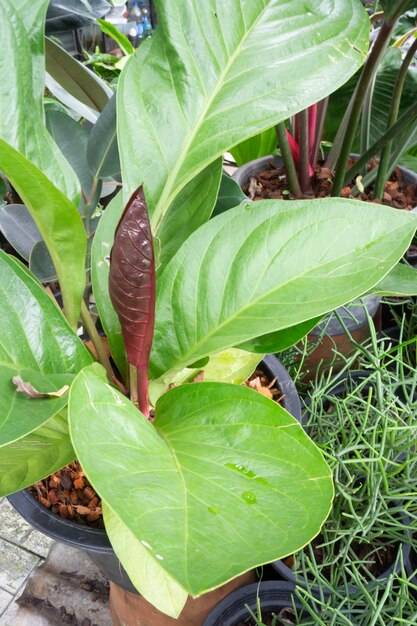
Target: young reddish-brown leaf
132, 287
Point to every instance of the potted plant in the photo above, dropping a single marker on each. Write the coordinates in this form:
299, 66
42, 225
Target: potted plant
214, 458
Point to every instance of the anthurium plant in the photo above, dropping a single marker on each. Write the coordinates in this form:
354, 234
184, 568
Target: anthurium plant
200, 481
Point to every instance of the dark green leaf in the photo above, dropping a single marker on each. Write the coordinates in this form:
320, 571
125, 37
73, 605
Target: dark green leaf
215, 454
72, 138
102, 150
230, 195
282, 339
41, 264
80, 82
19, 228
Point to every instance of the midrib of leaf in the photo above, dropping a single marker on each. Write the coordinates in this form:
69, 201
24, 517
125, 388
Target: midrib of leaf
168, 196
184, 486
191, 353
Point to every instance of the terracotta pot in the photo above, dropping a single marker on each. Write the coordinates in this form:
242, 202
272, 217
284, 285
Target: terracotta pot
129, 609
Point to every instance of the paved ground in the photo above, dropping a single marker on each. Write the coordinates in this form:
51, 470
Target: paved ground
21, 550
45, 583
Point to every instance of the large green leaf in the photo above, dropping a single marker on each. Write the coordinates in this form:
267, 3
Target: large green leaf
145, 572
222, 481
100, 267
233, 69
191, 209
22, 85
35, 336
58, 221
242, 275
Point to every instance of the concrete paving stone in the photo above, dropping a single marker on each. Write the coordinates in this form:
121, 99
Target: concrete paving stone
14, 529
7, 619
66, 588
15, 566
5, 600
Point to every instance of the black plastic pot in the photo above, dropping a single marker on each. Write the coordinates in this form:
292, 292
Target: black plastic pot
274, 596
95, 541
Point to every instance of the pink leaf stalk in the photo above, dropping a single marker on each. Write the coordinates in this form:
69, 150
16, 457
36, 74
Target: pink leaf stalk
132, 289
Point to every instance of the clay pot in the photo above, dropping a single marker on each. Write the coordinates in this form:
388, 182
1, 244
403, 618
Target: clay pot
129, 609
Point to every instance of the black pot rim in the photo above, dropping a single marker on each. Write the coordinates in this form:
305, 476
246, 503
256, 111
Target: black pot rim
56, 527
275, 594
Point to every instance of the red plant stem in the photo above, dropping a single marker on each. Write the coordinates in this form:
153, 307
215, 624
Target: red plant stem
312, 122
321, 116
142, 390
303, 164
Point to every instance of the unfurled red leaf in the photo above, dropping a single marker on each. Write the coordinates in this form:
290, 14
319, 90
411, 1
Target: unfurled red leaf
132, 285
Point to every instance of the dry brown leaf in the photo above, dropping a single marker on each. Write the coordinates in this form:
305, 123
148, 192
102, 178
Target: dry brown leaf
29, 390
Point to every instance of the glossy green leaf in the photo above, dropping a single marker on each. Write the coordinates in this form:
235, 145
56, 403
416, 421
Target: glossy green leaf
232, 70
36, 337
77, 80
100, 265
35, 456
58, 221
261, 145
112, 31
215, 454
102, 151
400, 281
281, 339
241, 275
230, 195
19, 228
145, 572
191, 209
72, 138
22, 83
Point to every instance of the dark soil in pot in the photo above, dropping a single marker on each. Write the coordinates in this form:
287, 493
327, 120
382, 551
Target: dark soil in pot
271, 182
